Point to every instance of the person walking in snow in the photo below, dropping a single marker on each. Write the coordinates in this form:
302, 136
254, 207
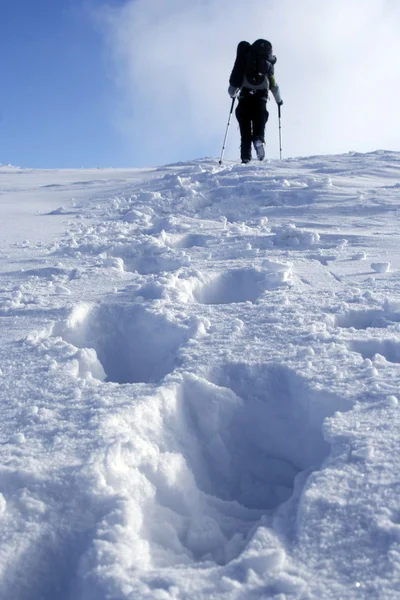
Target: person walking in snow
251, 80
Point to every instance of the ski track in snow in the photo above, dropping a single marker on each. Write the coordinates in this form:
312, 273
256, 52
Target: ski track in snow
199, 382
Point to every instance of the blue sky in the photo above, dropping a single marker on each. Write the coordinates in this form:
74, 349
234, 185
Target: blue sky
98, 83
56, 100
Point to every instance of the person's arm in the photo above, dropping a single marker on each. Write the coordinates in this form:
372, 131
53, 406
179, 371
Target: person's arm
233, 91
274, 87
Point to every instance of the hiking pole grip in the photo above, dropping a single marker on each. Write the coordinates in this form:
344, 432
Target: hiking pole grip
227, 128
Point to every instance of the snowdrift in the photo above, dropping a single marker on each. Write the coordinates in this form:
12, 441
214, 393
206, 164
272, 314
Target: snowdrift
199, 374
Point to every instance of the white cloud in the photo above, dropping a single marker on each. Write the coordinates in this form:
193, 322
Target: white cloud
337, 69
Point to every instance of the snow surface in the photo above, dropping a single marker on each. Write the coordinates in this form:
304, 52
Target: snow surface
199, 376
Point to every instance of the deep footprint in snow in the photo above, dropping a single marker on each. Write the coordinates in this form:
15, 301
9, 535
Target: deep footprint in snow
132, 344
146, 265
364, 319
255, 430
238, 285
193, 240
222, 453
390, 349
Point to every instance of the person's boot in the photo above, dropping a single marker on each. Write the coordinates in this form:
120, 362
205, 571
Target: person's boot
259, 148
245, 152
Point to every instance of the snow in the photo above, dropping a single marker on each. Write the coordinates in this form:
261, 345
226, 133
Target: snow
199, 378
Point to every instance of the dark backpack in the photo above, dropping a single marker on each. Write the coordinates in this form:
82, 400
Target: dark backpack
239, 68
259, 58
253, 65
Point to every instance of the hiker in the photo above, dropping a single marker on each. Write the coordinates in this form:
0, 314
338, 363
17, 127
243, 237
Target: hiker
251, 79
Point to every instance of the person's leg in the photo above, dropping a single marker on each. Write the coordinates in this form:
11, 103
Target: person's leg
260, 118
243, 115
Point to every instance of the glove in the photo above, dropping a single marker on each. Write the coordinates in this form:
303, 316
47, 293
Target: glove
232, 91
280, 102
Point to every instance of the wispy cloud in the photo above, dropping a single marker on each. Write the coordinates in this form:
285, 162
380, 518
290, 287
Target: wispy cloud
337, 69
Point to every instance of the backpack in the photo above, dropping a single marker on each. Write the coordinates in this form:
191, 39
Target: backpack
253, 65
257, 67
239, 68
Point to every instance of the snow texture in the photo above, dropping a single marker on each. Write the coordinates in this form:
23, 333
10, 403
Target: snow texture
199, 381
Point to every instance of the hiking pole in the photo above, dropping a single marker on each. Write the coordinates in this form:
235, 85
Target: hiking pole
227, 128
280, 132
